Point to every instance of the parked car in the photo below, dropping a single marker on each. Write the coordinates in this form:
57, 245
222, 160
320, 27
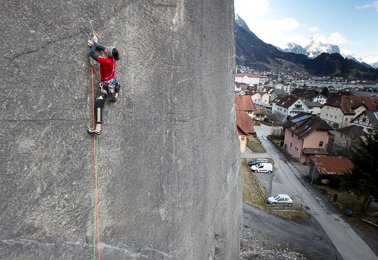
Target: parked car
280, 199
262, 167
257, 161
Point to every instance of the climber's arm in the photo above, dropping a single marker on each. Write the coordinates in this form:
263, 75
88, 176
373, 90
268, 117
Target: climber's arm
93, 48
92, 52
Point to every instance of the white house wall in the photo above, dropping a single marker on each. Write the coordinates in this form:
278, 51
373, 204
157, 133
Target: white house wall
248, 80
294, 110
332, 115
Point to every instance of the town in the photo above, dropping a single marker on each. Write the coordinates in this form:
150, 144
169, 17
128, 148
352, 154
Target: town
318, 125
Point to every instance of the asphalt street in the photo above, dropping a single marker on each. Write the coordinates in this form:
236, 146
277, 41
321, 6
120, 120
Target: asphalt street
287, 178
306, 237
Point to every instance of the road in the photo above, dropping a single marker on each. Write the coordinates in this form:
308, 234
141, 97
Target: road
306, 237
288, 178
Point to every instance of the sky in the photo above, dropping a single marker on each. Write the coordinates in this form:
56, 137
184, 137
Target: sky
350, 24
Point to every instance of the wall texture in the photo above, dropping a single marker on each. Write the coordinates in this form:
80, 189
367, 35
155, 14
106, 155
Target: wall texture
168, 167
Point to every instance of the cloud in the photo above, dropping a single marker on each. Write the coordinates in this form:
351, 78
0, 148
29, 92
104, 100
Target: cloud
370, 59
373, 5
284, 24
277, 32
256, 13
337, 39
314, 29
251, 10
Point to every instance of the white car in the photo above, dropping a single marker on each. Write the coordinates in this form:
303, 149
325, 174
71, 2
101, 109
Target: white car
279, 199
262, 167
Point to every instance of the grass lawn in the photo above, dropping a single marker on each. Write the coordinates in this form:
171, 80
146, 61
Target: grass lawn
255, 145
254, 194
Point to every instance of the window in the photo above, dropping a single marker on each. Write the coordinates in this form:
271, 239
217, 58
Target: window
321, 144
364, 119
242, 139
291, 144
298, 106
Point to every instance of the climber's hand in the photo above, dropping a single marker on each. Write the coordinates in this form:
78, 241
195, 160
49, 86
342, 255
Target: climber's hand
90, 43
94, 38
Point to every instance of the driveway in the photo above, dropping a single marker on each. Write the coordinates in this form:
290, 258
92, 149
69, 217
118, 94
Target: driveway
288, 178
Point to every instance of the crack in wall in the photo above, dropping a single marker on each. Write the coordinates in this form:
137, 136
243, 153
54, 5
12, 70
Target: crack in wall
142, 252
38, 48
79, 120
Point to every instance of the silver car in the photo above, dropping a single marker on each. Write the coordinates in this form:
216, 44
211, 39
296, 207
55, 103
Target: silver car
279, 199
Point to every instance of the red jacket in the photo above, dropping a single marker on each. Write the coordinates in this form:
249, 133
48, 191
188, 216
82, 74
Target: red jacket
107, 68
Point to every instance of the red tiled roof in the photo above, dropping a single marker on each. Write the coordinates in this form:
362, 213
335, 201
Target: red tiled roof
332, 165
305, 93
349, 103
313, 151
244, 123
261, 111
244, 103
285, 101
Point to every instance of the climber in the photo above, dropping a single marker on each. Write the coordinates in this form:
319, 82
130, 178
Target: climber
109, 84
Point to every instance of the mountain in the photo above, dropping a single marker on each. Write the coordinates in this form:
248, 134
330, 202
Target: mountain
374, 65
295, 48
255, 53
314, 49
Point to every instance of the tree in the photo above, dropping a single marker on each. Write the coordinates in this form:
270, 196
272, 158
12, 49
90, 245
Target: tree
364, 178
325, 92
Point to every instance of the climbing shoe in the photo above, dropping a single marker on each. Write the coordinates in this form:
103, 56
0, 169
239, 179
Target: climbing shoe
93, 131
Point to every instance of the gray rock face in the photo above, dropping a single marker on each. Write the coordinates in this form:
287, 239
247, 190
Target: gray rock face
167, 159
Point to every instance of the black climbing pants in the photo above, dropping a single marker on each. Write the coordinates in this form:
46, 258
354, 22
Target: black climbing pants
99, 106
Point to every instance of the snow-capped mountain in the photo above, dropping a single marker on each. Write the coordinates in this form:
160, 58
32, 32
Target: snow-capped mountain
314, 49
295, 48
240, 22
252, 52
375, 65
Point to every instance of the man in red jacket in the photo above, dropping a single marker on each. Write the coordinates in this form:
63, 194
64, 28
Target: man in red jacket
109, 85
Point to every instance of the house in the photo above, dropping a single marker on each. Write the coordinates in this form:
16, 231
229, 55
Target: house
245, 128
306, 135
260, 114
241, 88
244, 112
368, 120
325, 168
260, 98
313, 107
288, 106
347, 138
309, 94
319, 99
247, 78
244, 103
284, 87
340, 110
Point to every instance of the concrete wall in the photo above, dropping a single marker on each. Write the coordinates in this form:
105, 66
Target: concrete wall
163, 194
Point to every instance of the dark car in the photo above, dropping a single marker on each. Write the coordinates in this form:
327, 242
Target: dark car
257, 161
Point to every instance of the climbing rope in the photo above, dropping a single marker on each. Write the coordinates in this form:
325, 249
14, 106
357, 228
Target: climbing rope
96, 141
